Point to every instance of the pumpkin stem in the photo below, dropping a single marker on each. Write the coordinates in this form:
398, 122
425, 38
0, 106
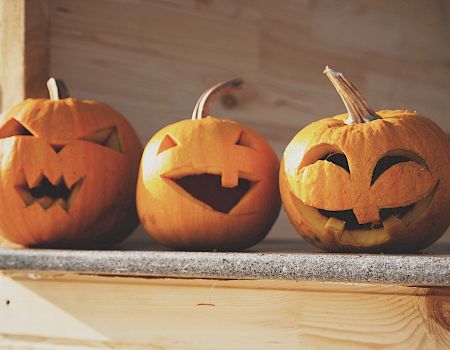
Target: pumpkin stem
203, 104
358, 109
57, 89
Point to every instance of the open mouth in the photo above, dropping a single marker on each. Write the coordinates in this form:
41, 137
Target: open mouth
351, 222
207, 188
46, 194
346, 229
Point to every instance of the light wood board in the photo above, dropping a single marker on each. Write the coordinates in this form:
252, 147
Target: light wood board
152, 59
66, 311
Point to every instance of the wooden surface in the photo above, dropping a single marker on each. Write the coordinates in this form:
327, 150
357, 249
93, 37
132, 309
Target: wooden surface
91, 312
24, 59
152, 59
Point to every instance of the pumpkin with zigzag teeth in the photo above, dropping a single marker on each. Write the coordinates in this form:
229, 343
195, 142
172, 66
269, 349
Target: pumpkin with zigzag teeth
207, 183
67, 173
366, 181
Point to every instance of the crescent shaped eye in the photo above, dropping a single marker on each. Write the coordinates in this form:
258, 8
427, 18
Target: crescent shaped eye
337, 158
167, 143
14, 128
395, 157
108, 137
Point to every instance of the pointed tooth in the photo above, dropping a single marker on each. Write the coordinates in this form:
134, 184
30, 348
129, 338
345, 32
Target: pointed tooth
46, 202
335, 227
70, 178
75, 189
33, 176
26, 196
63, 204
54, 177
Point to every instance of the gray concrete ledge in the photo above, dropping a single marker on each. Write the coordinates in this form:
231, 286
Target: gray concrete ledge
416, 270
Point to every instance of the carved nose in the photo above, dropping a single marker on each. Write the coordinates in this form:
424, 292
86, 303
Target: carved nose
57, 148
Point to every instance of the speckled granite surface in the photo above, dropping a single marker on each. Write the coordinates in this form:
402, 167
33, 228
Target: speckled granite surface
417, 270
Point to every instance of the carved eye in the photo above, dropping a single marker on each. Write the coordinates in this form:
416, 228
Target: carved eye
167, 142
14, 128
395, 157
244, 140
108, 137
337, 158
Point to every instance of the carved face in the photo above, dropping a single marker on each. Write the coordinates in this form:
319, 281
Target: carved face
208, 184
68, 170
377, 186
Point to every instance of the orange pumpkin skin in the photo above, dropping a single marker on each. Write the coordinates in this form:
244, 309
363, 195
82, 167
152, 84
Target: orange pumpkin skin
67, 140
225, 148
309, 182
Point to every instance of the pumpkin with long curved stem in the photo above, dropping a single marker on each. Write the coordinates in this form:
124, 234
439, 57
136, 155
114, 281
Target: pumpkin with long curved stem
207, 183
366, 181
68, 171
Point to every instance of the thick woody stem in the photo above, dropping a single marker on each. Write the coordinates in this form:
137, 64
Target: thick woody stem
204, 102
358, 109
57, 90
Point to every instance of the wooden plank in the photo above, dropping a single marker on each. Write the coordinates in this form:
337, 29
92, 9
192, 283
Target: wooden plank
24, 50
95, 312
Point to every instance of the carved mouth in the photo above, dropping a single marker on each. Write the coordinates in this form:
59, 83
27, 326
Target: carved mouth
346, 229
46, 193
208, 189
351, 222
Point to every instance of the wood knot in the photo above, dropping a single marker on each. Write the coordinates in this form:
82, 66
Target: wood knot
229, 101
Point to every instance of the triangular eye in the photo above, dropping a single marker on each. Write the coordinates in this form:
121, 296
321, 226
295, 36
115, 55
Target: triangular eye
244, 140
337, 158
108, 137
167, 143
14, 128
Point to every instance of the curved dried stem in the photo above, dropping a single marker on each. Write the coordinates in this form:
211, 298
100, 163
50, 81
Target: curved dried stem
358, 109
203, 104
57, 90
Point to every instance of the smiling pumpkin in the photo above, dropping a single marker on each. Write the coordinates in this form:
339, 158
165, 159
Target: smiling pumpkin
207, 183
67, 173
367, 181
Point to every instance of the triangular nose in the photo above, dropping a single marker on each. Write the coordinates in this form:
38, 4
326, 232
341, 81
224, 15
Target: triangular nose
57, 148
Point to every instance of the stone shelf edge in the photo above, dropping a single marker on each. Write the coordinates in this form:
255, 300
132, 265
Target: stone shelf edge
413, 270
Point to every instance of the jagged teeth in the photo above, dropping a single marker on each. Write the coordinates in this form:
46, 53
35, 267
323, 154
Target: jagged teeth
55, 180
29, 183
33, 178
46, 202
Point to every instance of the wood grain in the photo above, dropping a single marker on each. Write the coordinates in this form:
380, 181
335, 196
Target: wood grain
24, 50
151, 59
95, 311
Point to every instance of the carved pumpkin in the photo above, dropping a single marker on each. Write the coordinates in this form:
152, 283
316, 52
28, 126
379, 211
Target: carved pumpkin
366, 181
68, 170
207, 183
